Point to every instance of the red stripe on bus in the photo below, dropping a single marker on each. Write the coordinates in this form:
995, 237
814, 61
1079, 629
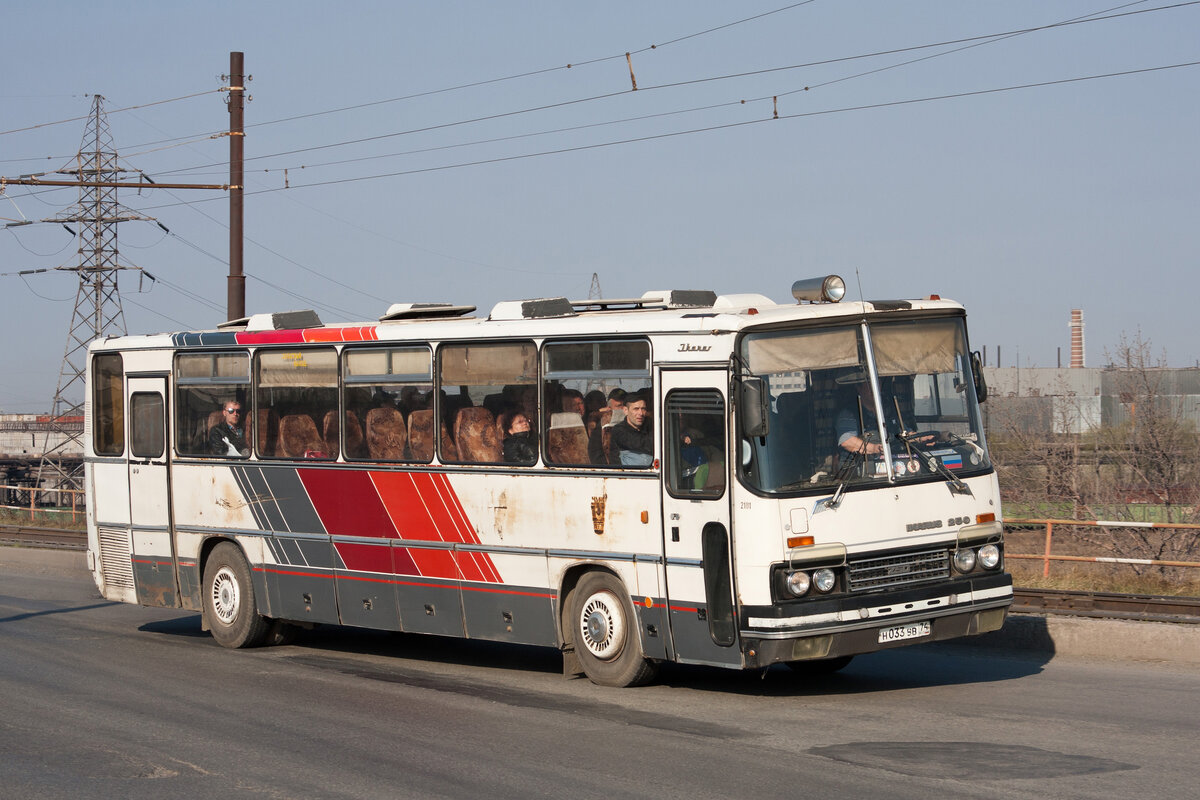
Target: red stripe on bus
366, 557
435, 563
548, 594
347, 503
453, 525
361, 333
270, 337
479, 563
409, 510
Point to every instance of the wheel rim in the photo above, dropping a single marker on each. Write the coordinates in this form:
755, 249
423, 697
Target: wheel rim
226, 595
602, 625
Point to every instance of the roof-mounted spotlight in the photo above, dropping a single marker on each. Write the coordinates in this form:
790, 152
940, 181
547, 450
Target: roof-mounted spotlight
829, 289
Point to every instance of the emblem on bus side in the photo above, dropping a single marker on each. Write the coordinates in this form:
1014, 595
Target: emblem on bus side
598, 504
694, 348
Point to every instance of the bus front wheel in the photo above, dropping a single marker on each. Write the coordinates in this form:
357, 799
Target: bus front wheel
229, 602
604, 627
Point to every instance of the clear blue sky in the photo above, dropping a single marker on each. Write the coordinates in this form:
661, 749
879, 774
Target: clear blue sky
1021, 204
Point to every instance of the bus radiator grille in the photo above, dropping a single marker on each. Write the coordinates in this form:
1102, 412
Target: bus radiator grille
898, 569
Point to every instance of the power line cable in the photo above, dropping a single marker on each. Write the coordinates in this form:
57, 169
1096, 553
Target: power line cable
691, 82
487, 81
725, 126
530, 73
110, 112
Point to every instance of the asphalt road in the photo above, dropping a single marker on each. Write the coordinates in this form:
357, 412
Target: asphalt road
101, 700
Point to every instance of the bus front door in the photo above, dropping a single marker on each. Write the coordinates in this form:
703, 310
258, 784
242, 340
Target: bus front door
155, 568
696, 542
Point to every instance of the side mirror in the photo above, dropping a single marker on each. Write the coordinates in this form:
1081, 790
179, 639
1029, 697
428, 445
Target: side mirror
752, 407
981, 393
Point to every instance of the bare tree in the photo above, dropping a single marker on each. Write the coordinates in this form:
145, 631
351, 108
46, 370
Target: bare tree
1142, 464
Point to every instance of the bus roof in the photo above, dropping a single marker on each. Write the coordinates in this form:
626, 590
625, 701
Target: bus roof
665, 312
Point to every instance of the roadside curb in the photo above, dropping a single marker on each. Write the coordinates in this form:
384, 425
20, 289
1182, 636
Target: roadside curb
1094, 638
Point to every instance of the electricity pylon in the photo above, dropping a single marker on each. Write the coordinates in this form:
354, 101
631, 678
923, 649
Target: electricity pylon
97, 301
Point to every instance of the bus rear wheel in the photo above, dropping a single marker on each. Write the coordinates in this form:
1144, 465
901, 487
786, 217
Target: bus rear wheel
604, 628
229, 602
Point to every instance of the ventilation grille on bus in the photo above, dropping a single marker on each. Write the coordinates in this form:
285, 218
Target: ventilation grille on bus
116, 563
899, 569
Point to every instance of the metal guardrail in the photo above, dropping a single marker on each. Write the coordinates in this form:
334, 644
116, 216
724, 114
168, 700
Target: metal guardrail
1047, 556
75, 495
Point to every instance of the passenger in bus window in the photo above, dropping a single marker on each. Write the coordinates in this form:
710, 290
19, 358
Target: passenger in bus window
228, 437
572, 401
593, 401
519, 444
616, 398
632, 437
693, 462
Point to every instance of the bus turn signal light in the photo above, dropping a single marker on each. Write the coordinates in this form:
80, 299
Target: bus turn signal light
982, 518
800, 541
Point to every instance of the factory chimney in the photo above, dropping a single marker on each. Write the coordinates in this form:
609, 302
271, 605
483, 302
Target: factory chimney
1077, 338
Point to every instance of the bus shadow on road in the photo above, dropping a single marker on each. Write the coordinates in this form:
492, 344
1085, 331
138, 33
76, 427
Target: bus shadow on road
920, 666
963, 662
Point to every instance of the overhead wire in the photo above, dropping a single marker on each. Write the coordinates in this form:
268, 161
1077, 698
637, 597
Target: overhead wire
110, 112
482, 82
983, 38
710, 128
531, 73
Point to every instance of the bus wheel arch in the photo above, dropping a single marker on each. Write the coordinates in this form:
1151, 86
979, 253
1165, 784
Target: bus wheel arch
231, 609
602, 628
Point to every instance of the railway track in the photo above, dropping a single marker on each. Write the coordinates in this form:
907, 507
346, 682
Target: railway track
1104, 605
56, 538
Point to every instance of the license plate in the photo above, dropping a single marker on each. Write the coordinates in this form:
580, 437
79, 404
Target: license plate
897, 633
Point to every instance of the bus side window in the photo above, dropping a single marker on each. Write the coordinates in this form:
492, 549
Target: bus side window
301, 388
695, 443
205, 385
477, 380
383, 389
108, 405
585, 385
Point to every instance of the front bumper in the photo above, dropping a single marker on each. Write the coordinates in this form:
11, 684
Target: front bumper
849, 625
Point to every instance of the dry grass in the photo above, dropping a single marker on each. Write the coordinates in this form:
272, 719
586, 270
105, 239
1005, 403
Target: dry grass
44, 519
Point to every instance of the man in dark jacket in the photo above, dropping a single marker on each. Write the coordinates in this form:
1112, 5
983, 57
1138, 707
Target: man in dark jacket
228, 437
632, 436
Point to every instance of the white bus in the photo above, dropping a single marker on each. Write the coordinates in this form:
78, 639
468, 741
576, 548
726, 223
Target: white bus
678, 477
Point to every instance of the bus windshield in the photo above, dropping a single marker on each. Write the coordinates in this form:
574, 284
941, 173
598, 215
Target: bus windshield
861, 405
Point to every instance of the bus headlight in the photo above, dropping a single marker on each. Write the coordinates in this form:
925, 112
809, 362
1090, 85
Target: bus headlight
964, 559
989, 556
824, 580
798, 583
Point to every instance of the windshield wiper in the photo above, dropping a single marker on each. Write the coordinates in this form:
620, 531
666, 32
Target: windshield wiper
934, 463
842, 476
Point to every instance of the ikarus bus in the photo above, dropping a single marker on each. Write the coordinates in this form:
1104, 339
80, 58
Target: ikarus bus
682, 476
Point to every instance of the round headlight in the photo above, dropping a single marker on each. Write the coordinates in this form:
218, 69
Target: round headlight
798, 583
989, 556
964, 559
824, 580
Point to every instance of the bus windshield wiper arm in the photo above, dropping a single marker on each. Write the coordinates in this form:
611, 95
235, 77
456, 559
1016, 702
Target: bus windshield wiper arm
934, 463
842, 475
